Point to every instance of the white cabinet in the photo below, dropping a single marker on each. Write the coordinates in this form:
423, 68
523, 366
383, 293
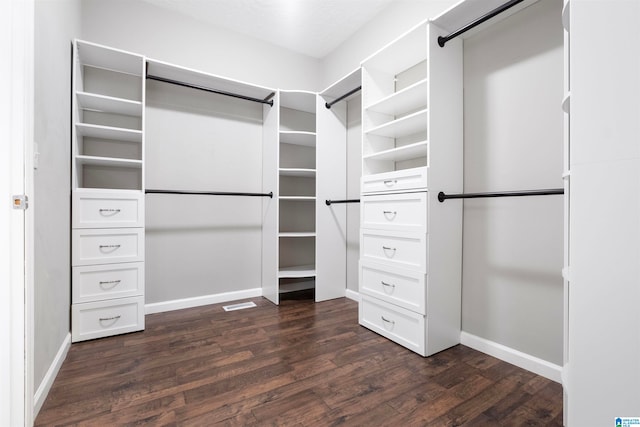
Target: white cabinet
107, 241
410, 244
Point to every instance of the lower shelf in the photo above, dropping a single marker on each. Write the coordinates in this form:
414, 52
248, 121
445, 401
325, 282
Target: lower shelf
297, 271
105, 318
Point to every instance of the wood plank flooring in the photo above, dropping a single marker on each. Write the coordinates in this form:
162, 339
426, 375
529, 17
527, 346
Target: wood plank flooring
300, 363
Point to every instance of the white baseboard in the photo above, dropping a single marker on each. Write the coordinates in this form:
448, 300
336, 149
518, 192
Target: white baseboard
515, 357
43, 389
353, 295
159, 307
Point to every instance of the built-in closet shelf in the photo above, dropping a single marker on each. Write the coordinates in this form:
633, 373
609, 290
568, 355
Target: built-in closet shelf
300, 173
308, 139
109, 104
108, 161
405, 152
297, 234
298, 198
298, 100
297, 271
566, 103
405, 126
94, 55
566, 15
408, 99
108, 132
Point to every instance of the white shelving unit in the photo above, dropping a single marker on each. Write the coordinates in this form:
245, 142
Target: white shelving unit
107, 192
410, 244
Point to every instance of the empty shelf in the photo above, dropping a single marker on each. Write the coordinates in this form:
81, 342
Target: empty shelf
405, 152
107, 132
297, 271
108, 161
408, 99
307, 139
108, 104
301, 173
297, 234
405, 126
298, 198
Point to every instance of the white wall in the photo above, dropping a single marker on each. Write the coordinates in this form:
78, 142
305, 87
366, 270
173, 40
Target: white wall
201, 245
512, 247
392, 22
56, 23
160, 34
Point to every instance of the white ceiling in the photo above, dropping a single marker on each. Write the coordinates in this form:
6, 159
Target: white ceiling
310, 27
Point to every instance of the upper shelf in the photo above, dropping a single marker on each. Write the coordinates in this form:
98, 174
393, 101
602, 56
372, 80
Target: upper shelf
95, 55
108, 132
297, 172
109, 104
405, 126
198, 78
308, 139
405, 100
298, 100
402, 53
345, 85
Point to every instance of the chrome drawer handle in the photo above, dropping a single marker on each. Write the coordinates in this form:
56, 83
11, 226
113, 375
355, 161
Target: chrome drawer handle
390, 182
104, 319
110, 212
110, 282
110, 246
387, 284
387, 248
387, 320
390, 213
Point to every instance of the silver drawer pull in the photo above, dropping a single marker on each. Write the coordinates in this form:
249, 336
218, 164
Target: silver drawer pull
390, 182
109, 282
391, 214
387, 248
387, 284
104, 319
387, 320
111, 211
109, 246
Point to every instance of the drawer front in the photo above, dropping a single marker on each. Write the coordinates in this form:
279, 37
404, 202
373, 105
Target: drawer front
109, 245
397, 324
104, 318
405, 212
113, 210
402, 180
101, 282
406, 288
397, 249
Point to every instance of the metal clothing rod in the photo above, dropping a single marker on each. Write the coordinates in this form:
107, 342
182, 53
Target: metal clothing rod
442, 40
331, 202
351, 92
209, 193
267, 100
442, 196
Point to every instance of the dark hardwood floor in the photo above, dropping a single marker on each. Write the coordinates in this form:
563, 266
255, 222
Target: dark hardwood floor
299, 363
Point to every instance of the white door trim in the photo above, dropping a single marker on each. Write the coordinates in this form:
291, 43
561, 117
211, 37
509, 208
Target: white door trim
16, 252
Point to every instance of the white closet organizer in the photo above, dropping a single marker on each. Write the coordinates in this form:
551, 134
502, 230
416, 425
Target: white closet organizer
107, 192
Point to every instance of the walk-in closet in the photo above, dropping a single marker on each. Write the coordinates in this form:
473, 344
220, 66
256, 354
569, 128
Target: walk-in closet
302, 212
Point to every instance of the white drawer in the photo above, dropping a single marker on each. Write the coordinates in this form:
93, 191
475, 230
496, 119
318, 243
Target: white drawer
100, 210
104, 318
404, 211
108, 281
397, 324
406, 288
108, 245
402, 180
394, 248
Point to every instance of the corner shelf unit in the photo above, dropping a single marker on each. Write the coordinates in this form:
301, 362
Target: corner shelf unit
107, 241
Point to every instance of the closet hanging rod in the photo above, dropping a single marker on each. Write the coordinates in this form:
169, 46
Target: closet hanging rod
209, 193
498, 10
442, 196
332, 202
346, 95
267, 100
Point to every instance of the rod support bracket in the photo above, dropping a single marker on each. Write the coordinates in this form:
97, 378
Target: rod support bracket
441, 195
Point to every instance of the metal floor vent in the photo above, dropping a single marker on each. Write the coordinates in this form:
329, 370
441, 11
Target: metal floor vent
239, 306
